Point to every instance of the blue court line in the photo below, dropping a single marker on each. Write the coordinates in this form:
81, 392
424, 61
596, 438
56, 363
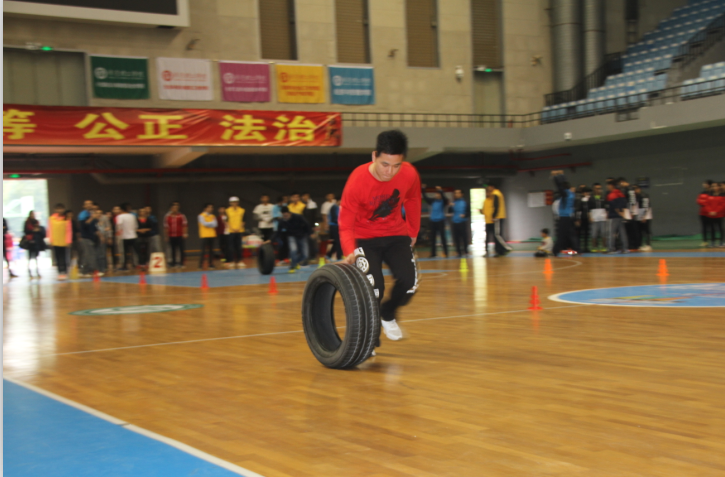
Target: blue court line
45, 437
228, 278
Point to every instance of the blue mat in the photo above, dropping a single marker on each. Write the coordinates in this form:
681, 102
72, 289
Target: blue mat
44, 437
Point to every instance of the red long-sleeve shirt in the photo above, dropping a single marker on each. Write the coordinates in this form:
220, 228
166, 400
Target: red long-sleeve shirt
371, 208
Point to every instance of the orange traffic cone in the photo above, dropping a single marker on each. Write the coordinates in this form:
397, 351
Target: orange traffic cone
96, 277
204, 282
547, 267
663, 269
535, 303
142, 278
273, 286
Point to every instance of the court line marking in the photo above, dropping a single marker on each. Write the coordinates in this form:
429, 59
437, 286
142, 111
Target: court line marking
139, 430
557, 297
290, 332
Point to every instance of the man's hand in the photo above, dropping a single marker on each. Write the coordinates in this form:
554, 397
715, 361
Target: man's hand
350, 259
266, 242
413, 240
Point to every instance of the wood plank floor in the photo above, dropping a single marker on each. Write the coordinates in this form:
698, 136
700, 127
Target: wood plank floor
481, 387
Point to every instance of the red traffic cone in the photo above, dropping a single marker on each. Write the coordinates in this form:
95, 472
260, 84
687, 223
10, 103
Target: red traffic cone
96, 277
272, 286
535, 303
142, 278
547, 267
204, 282
663, 269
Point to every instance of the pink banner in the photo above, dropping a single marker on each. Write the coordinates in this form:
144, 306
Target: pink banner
245, 82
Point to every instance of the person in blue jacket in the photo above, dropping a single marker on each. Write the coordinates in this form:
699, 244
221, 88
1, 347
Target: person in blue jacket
437, 219
461, 213
566, 236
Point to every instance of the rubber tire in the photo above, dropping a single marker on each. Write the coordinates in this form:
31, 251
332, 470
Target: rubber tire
265, 259
362, 316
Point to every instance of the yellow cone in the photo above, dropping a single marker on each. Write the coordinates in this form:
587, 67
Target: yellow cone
464, 265
74, 272
322, 262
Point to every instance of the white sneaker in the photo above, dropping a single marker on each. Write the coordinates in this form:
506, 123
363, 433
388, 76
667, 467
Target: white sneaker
241, 265
392, 330
373, 354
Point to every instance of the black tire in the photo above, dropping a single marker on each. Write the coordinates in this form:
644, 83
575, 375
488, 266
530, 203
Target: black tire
362, 316
265, 259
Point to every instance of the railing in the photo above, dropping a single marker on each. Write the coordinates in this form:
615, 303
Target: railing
612, 65
442, 120
701, 42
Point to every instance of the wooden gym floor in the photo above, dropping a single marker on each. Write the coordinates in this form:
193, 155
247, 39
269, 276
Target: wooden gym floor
481, 386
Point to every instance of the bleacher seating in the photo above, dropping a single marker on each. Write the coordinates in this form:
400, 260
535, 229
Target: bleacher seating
711, 81
645, 66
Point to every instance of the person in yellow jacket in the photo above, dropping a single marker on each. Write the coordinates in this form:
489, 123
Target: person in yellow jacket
494, 211
296, 206
207, 234
235, 223
60, 235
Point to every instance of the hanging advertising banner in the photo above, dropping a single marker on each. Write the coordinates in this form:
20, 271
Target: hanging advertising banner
245, 82
79, 126
119, 77
350, 85
184, 79
300, 84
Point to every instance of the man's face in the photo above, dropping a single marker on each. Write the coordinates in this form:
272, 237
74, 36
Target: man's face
597, 190
59, 210
330, 197
175, 209
490, 189
610, 187
458, 194
209, 209
287, 215
97, 214
294, 198
88, 204
221, 211
265, 200
233, 204
116, 210
587, 193
285, 199
387, 166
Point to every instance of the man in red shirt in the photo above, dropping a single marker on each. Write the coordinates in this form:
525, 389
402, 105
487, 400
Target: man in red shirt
177, 229
372, 227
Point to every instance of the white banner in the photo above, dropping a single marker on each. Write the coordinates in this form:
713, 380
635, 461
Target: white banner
184, 79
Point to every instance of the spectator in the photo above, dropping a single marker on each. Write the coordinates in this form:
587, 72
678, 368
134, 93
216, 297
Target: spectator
282, 242
311, 213
334, 232
118, 258
35, 235
645, 218
715, 214
263, 215
632, 215
60, 233
235, 222
494, 211
155, 240
88, 206
547, 245
703, 200
598, 218
461, 214
296, 206
616, 206
297, 230
88, 244
437, 219
7, 246
325, 210
222, 233
207, 233
105, 234
582, 218
28, 226
566, 237
126, 230
74, 246
148, 228
177, 231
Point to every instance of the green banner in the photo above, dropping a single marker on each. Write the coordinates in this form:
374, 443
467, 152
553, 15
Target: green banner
117, 77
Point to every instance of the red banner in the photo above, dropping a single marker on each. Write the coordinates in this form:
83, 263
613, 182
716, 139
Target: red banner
74, 126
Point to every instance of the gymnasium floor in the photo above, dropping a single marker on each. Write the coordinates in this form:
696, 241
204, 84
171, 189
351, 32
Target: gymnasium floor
220, 382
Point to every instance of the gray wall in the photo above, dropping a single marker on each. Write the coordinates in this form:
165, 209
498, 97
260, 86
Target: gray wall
676, 169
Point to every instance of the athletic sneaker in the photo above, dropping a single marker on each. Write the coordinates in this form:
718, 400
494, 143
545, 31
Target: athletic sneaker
292, 270
703, 244
241, 265
373, 354
392, 330
62, 277
85, 275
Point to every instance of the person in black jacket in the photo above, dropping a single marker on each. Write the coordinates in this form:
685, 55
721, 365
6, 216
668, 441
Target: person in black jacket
35, 237
598, 218
148, 228
297, 230
582, 218
437, 219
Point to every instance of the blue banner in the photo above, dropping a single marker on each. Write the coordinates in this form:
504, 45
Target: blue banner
352, 85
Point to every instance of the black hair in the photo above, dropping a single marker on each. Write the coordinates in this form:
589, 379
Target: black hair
208, 204
393, 142
280, 198
284, 209
294, 193
173, 203
708, 182
59, 206
125, 207
545, 231
596, 184
586, 189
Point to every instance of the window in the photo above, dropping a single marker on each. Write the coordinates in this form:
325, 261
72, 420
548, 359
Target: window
485, 21
277, 27
422, 29
47, 78
353, 37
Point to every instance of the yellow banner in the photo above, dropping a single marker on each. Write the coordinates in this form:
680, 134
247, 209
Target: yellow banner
300, 84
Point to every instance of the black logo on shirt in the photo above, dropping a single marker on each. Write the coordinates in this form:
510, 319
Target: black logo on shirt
386, 206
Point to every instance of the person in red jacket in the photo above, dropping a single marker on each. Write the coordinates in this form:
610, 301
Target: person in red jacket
715, 212
702, 201
372, 227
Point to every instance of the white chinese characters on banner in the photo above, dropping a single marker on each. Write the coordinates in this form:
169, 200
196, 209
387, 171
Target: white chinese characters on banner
184, 79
